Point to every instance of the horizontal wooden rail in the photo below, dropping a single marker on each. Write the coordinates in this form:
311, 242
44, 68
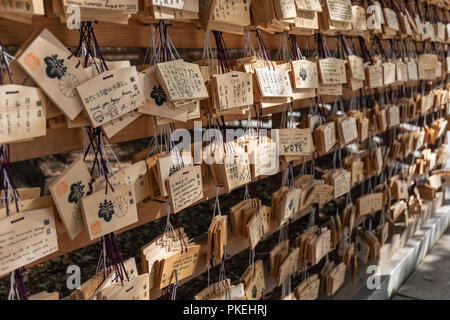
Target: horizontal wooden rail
184, 35
135, 35
60, 140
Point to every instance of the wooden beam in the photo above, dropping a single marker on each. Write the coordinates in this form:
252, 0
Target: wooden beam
135, 34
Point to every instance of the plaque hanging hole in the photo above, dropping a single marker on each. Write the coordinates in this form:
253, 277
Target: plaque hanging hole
128, 290
17, 220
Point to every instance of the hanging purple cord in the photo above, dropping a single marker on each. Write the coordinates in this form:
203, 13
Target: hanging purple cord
224, 259
3, 61
225, 50
109, 257
320, 46
85, 39
119, 258
5, 168
90, 145
317, 216
167, 292
365, 52
162, 34
294, 47
18, 278
165, 44
97, 47
177, 227
216, 276
95, 142
291, 174
211, 262
265, 53
335, 253
222, 53
322, 112
19, 285
112, 256
258, 113
220, 57
223, 129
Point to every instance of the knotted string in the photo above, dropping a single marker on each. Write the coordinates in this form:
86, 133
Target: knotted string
264, 53
165, 48
4, 64
249, 49
208, 56
150, 53
296, 52
17, 290
284, 52
181, 238
223, 57
100, 161
10, 192
88, 48
110, 258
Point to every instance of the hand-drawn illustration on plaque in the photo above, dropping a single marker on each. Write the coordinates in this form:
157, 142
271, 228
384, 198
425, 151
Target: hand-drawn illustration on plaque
120, 206
112, 111
56, 69
76, 192
158, 95
173, 169
302, 73
75, 195
106, 210
98, 116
